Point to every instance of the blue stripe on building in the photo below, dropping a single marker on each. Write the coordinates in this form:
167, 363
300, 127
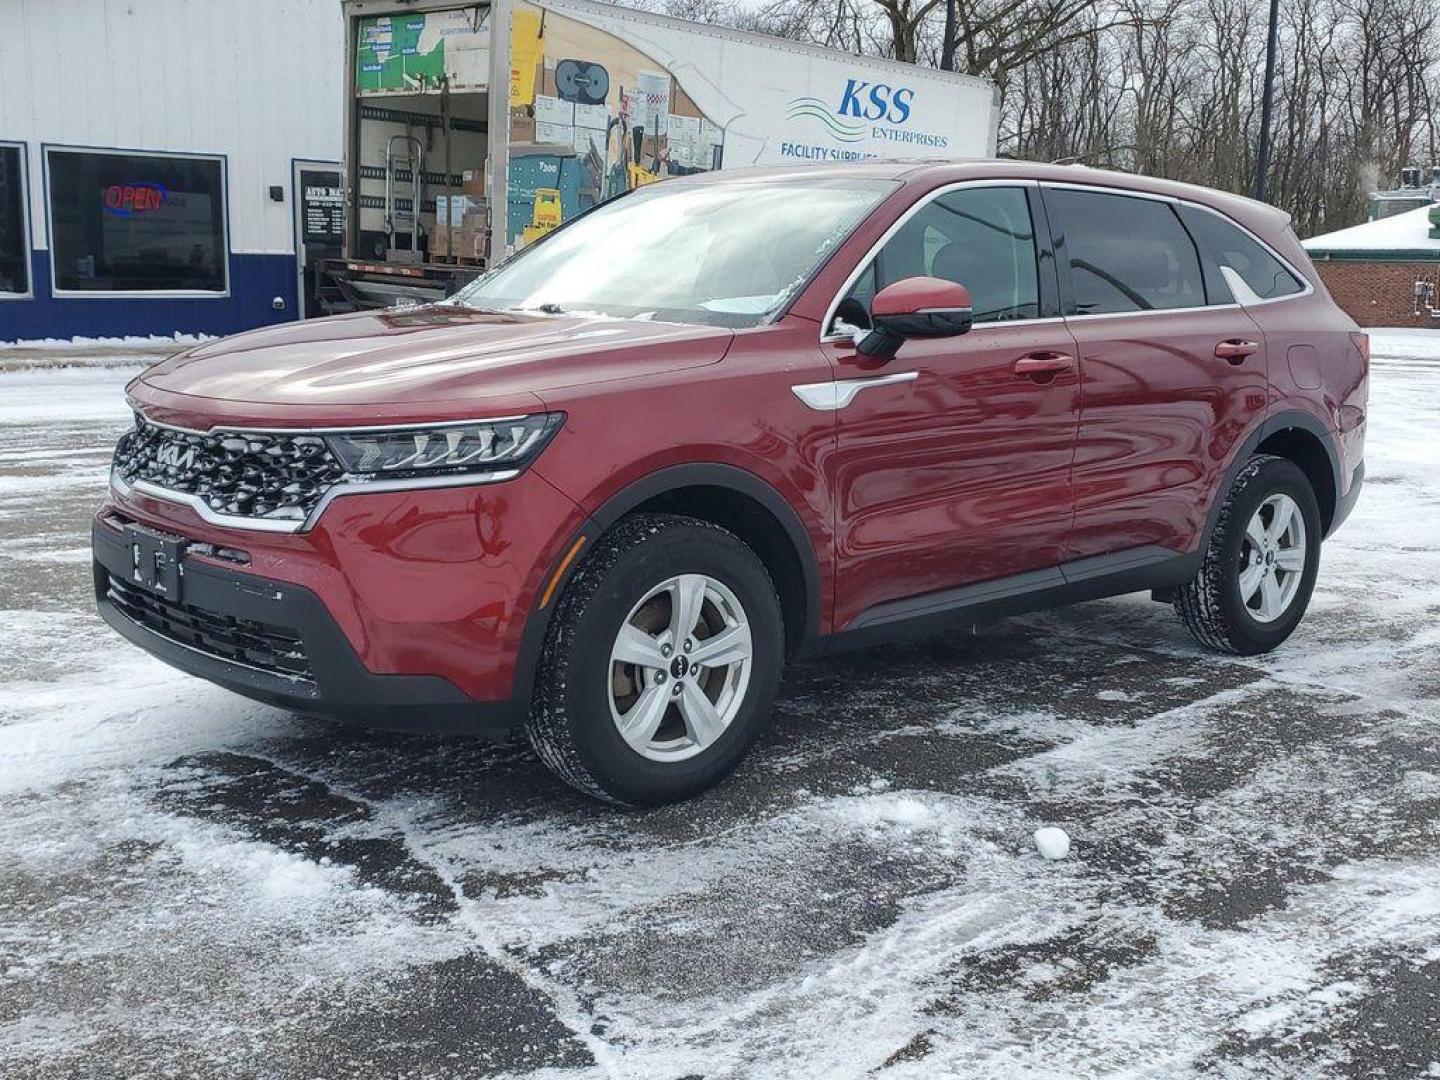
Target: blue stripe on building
255, 281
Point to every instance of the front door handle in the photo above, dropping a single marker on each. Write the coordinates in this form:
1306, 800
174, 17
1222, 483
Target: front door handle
1043, 367
1236, 350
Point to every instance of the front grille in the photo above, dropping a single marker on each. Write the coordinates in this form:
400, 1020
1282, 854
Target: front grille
266, 646
243, 474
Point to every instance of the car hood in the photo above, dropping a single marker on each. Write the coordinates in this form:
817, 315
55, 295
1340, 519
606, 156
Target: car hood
451, 360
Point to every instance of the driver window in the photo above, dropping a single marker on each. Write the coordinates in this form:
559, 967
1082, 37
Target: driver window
979, 237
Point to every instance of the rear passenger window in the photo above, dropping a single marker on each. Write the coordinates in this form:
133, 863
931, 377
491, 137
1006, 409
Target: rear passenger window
1223, 244
1126, 254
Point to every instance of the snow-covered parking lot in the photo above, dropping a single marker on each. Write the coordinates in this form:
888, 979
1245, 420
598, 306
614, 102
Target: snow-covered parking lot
193, 885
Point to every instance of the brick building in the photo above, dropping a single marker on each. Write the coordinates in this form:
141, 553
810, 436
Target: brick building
1385, 272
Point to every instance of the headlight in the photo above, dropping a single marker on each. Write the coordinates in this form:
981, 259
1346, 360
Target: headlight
492, 446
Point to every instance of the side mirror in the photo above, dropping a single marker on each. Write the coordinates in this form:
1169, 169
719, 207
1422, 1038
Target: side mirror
915, 307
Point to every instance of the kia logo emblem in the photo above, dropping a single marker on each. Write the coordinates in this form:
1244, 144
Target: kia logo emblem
176, 456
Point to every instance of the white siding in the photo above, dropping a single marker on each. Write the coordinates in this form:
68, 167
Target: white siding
259, 81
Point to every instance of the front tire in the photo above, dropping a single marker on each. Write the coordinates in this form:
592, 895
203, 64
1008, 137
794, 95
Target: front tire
661, 662
1259, 570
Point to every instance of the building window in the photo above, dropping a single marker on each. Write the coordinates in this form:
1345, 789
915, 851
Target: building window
14, 236
130, 223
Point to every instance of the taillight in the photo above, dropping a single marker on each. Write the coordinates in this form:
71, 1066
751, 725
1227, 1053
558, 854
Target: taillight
1362, 344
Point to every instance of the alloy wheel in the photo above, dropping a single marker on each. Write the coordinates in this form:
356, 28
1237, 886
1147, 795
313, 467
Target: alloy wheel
1272, 558
679, 668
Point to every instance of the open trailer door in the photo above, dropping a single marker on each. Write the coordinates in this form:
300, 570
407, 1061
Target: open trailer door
418, 81
445, 176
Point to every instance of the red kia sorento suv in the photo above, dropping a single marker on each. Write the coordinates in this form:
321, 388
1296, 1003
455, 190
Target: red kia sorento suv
608, 491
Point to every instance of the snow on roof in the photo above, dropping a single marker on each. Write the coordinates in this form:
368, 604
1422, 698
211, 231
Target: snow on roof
1408, 231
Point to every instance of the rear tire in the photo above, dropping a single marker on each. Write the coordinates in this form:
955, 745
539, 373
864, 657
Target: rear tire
639, 699
1259, 570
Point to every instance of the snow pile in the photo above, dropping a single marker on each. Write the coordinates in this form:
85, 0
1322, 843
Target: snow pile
50, 399
1408, 231
88, 344
1416, 345
1052, 843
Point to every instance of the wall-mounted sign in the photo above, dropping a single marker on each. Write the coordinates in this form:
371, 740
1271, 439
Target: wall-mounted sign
322, 207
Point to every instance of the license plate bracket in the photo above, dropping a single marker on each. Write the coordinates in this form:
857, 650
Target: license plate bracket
155, 561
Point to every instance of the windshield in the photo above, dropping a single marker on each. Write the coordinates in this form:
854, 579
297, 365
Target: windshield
721, 254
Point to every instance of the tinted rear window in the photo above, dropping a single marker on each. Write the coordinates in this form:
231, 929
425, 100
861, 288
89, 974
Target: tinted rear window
1126, 254
1224, 244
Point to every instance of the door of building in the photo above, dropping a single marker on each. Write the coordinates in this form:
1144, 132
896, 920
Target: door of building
319, 228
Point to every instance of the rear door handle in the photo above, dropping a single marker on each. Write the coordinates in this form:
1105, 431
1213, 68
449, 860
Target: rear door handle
1042, 367
1236, 350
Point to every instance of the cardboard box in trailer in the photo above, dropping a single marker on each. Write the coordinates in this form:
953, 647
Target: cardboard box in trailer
444, 176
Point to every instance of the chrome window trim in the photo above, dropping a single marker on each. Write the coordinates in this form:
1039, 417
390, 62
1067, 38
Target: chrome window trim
1155, 312
1308, 288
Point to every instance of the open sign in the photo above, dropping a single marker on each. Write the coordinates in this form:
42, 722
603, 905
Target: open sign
127, 200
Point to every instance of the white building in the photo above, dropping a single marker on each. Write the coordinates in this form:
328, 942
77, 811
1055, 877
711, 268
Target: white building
155, 160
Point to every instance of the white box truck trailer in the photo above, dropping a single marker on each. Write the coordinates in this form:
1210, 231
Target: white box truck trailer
474, 129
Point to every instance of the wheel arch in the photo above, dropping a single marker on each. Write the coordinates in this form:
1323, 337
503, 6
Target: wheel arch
753, 510
1308, 451
726, 495
1299, 437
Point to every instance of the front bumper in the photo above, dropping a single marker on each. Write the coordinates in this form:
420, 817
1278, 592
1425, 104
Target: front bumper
231, 627
415, 610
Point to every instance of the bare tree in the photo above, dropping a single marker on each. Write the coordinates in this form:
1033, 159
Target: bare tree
1168, 87
993, 37
906, 17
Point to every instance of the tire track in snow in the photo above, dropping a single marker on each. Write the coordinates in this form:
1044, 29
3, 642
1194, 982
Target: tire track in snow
565, 1005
